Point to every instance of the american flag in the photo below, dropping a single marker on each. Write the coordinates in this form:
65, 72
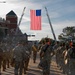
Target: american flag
35, 17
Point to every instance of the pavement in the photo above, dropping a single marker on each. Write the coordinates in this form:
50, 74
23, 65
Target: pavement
34, 70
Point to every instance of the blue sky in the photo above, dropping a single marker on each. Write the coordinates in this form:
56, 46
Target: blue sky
61, 12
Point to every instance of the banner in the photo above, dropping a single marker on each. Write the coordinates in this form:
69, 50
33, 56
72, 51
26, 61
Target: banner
35, 17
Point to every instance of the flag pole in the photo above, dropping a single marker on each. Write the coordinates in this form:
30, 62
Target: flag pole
50, 24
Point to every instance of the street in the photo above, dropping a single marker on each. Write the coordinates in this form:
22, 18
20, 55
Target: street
34, 70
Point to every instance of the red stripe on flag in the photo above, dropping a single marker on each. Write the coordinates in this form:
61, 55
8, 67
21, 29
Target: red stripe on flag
35, 21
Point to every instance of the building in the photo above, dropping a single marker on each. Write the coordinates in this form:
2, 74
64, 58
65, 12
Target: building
12, 21
9, 26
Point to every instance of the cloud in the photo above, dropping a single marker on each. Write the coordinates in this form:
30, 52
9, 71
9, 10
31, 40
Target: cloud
61, 13
58, 27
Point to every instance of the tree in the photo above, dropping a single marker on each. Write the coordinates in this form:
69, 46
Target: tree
69, 30
68, 33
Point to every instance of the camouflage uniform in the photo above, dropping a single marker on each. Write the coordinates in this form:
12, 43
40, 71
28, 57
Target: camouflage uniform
62, 64
71, 62
4, 48
34, 49
66, 64
55, 48
18, 57
1, 58
58, 56
26, 55
46, 60
9, 53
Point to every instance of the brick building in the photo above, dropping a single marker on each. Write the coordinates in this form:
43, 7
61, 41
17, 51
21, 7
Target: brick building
9, 25
12, 20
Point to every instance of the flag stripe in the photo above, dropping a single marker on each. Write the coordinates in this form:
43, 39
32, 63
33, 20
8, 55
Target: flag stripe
35, 16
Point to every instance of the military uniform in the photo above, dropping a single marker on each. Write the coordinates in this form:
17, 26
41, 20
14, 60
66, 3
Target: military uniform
66, 63
26, 55
55, 48
1, 58
34, 49
4, 48
18, 57
58, 56
46, 60
71, 61
9, 54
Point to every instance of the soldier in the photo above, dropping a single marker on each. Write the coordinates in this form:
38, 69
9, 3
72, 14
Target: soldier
9, 53
1, 57
40, 49
46, 58
62, 57
66, 65
42, 44
55, 48
18, 57
26, 55
71, 56
34, 49
4, 48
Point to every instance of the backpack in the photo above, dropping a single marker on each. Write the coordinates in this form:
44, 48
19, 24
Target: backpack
72, 55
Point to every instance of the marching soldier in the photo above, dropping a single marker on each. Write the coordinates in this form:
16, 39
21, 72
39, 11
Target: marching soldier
18, 57
1, 57
66, 65
71, 56
55, 48
4, 48
34, 49
9, 53
46, 57
26, 55
40, 49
